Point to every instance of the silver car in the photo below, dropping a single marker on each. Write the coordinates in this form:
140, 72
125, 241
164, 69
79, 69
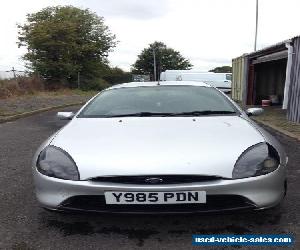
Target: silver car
153, 147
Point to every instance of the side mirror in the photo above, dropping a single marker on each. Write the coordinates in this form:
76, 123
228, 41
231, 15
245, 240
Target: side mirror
65, 115
254, 111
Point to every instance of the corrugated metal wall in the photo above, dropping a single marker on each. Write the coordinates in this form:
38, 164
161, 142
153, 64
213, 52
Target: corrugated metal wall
239, 79
293, 110
250, 85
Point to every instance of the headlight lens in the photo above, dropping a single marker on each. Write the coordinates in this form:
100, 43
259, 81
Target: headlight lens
55, 162
257, 160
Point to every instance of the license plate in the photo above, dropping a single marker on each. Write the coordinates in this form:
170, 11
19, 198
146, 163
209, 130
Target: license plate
155, 197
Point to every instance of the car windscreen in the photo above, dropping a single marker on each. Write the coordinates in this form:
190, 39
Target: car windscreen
158, 100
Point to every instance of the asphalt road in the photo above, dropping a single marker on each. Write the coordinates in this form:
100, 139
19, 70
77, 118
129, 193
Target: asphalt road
24, 225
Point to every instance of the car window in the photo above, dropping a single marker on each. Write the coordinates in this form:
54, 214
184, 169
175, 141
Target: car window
156, 99
229, 77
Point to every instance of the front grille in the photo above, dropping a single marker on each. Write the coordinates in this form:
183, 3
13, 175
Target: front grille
96, 203
166, 179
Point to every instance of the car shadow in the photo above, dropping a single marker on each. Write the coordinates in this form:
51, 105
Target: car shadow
140, 227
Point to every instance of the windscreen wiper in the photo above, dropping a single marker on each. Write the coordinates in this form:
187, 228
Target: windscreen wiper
141, 114
192, 113
204, 112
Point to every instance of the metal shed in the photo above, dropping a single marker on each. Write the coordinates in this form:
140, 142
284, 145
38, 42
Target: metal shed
273, 72
267, 74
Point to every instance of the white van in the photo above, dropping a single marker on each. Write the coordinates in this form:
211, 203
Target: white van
221, 81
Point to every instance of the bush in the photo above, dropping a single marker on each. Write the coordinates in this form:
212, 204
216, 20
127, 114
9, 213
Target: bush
117, 75
20, 86
55, 84
8, 88
94, 84
31, 84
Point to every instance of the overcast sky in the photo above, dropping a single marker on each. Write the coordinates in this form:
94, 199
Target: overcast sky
207, 32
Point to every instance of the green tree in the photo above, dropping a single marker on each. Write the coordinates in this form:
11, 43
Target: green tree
166, 58
222, 69
64, 40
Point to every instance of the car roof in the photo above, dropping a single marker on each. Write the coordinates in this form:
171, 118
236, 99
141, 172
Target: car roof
162, 83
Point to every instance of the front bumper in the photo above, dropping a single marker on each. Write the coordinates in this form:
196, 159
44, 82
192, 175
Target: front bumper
256, 193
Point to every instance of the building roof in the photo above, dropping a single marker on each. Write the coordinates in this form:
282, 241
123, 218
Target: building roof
277, 47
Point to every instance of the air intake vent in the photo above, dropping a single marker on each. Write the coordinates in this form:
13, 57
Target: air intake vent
156, 179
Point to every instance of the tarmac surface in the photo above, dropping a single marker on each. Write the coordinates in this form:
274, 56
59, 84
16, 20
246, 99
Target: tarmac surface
24, 225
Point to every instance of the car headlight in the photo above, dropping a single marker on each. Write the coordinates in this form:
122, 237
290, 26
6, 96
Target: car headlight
257, 160
55, 162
